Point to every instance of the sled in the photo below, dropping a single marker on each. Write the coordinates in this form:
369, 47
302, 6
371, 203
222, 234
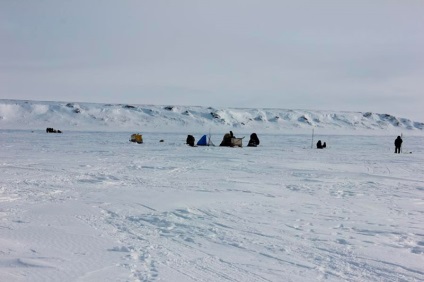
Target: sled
237, 142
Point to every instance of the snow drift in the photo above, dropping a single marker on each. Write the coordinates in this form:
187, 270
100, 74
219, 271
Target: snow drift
17, 114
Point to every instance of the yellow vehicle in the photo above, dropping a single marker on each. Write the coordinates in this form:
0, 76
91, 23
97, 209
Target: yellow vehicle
138, 138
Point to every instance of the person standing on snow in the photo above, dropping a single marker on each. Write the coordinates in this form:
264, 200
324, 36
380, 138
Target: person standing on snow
398, 144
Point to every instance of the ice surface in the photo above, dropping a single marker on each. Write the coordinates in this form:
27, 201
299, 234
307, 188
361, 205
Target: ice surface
92, 206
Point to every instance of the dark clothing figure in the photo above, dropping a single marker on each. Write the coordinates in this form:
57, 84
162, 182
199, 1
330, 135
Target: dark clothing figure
398, 144
190, 140
321, 145
254, 140
226, 141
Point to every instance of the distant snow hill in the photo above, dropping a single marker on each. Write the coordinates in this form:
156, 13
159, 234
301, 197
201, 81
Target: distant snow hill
36, 115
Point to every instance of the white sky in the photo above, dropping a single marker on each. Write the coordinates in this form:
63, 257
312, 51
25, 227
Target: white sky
356, 55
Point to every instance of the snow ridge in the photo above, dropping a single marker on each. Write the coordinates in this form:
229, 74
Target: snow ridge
20, 114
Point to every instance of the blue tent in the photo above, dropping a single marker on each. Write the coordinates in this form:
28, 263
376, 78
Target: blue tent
203, 141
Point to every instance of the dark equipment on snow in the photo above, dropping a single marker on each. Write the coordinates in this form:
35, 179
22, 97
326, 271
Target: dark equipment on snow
52, 130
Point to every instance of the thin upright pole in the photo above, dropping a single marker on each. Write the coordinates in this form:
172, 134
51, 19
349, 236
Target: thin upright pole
209, 139
312, 141
401, 137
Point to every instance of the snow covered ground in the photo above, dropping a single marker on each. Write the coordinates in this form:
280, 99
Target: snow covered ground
91, 206
66, 116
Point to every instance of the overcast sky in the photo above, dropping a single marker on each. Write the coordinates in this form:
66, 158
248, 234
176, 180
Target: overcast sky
354, 55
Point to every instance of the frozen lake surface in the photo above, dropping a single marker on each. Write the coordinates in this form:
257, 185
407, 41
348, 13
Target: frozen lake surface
91, 206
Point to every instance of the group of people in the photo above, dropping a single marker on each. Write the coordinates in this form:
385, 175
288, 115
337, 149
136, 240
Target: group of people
398, 145
321, 145
229, 140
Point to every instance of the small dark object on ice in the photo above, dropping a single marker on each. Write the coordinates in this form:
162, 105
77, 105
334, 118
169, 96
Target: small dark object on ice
321, 146
254, 140
51, 130
190, 140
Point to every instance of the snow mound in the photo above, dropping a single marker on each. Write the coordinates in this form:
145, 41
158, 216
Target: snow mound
18, 114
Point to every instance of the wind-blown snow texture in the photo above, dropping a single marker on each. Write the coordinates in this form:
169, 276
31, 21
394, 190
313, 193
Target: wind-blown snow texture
92, 206
16, 114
